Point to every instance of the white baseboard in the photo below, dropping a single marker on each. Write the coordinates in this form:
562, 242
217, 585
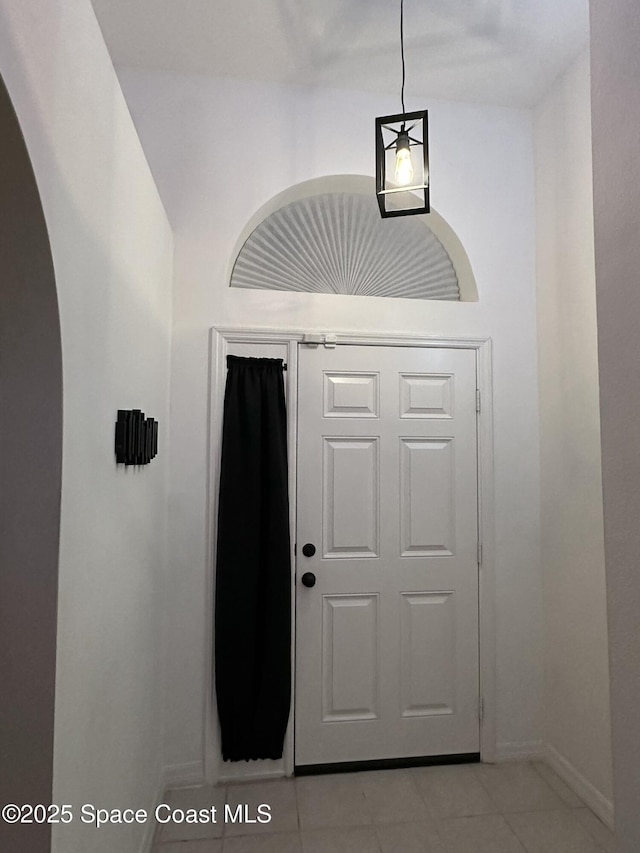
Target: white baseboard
150, 826
175, 776
251, 777
251, 771
187, 775
519, 751
587, 792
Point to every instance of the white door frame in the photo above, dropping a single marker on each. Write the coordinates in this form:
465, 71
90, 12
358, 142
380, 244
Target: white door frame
291, 338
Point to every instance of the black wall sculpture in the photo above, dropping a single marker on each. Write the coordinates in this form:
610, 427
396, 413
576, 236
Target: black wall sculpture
136, 437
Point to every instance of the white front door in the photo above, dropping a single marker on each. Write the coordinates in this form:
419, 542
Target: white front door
387, 638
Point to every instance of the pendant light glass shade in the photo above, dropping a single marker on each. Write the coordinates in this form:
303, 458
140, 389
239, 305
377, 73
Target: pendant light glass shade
402, 164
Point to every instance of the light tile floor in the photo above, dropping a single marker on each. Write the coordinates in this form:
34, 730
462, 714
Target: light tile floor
476, 808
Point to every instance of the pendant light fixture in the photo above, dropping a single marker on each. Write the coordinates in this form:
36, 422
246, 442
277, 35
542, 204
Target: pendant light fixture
402, 156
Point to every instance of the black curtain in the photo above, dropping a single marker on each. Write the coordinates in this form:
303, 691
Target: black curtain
253, 577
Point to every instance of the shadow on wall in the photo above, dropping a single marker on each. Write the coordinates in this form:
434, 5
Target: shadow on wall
30, 473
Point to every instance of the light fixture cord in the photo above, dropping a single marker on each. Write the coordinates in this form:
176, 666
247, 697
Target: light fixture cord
402, 51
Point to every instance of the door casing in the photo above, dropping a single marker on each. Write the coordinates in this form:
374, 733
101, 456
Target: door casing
288, 341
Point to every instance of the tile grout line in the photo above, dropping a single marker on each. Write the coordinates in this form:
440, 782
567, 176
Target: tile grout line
478, 777
514, 831
567, 809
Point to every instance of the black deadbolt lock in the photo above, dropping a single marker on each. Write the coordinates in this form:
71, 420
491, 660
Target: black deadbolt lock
308, 550
308, 578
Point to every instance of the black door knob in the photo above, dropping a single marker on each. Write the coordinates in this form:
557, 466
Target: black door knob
308, 579
308, 550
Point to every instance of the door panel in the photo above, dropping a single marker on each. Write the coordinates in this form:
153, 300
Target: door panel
387, 639
351, 395
426, 396
428, 653
427, 516
350, 657
350, 501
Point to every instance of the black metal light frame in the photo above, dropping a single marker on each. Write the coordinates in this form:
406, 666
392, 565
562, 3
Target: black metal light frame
401, 200
136, 439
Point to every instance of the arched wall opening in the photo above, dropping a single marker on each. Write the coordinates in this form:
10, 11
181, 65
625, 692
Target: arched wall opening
326, 235
31, 468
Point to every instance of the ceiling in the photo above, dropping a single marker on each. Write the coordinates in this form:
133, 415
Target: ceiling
488, 51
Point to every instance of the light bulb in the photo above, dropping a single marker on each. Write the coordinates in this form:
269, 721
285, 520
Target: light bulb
404, 166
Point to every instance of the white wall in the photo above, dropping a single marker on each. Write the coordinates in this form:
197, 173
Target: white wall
615, 32
577, 719
112, 253
219, 149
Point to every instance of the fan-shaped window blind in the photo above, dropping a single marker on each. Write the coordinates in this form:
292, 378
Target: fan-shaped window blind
338, 243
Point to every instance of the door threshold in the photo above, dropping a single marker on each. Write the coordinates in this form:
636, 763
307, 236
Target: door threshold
386, 764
